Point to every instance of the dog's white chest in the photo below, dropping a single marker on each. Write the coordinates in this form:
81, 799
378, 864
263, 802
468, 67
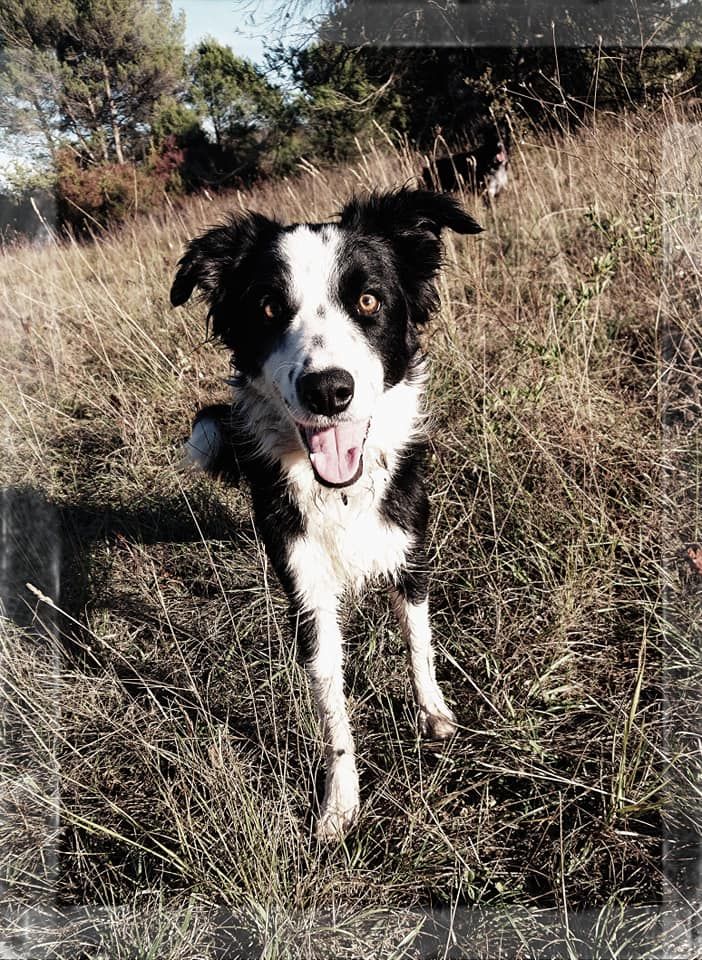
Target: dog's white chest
347, 540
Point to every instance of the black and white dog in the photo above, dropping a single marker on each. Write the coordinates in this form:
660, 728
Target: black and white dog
326, 425
483, 170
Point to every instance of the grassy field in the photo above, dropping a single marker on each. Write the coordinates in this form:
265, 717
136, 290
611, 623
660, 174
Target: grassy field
166, 697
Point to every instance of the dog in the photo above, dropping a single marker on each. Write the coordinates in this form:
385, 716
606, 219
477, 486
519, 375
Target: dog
325, 424
483, 170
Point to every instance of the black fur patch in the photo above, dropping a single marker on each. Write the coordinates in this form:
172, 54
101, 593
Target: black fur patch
369, 266
392, 249
238, 268
410, 222
406, 504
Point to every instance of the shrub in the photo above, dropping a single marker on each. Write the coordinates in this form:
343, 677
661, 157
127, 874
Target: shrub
110, 193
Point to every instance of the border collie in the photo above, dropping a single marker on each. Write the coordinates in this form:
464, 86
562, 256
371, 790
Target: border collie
326, 425
483, 170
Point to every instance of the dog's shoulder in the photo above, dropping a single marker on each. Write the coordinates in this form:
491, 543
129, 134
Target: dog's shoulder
405, 501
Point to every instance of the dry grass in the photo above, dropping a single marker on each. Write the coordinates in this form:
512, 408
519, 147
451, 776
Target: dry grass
179, 722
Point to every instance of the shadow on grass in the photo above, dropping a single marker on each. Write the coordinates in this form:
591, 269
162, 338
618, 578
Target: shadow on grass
52, 547
60, 550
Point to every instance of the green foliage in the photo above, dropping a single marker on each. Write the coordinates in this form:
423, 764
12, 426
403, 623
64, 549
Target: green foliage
628, 77
98, 82
23, 180
340, 98
127, 56
231, 93
463, 23
93, 71
172, 118
501, 61
110, 193
31, 84
35, 23
252, 121
110, 80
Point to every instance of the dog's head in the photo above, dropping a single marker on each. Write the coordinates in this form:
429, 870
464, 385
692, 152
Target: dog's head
323, 318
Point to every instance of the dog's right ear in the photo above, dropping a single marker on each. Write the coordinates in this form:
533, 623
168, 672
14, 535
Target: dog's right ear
212, 258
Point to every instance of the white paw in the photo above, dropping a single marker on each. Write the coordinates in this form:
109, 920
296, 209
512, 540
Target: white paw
203, 447
439, 724
335, 824
341, 803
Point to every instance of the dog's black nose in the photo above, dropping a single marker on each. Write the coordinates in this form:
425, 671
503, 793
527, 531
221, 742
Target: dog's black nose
328, 392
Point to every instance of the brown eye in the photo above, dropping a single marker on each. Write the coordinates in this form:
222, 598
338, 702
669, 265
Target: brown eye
368, 304
270, 309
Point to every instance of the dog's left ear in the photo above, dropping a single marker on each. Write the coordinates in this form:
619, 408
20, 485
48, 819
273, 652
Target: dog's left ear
411, 221
408, 211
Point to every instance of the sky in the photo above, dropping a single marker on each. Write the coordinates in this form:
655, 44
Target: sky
245, 27
226, 22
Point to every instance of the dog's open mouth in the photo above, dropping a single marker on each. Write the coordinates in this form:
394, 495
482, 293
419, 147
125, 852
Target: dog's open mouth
336, 453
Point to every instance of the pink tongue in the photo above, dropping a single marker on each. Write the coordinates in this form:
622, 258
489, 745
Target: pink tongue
335, 452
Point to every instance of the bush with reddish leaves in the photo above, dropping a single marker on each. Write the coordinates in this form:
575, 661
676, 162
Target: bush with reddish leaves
101, 195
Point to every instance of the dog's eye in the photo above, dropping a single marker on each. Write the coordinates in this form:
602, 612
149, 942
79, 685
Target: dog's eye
368, 304
271, 308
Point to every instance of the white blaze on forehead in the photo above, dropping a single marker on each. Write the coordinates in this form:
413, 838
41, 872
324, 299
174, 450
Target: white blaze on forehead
311, 257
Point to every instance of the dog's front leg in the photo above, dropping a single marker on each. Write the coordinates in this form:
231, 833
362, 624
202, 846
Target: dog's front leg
436, 721
323, 661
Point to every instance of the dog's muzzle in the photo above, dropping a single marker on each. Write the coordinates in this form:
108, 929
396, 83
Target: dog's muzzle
336, 451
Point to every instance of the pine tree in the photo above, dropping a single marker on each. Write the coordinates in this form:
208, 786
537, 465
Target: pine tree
89, 73
231, 93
